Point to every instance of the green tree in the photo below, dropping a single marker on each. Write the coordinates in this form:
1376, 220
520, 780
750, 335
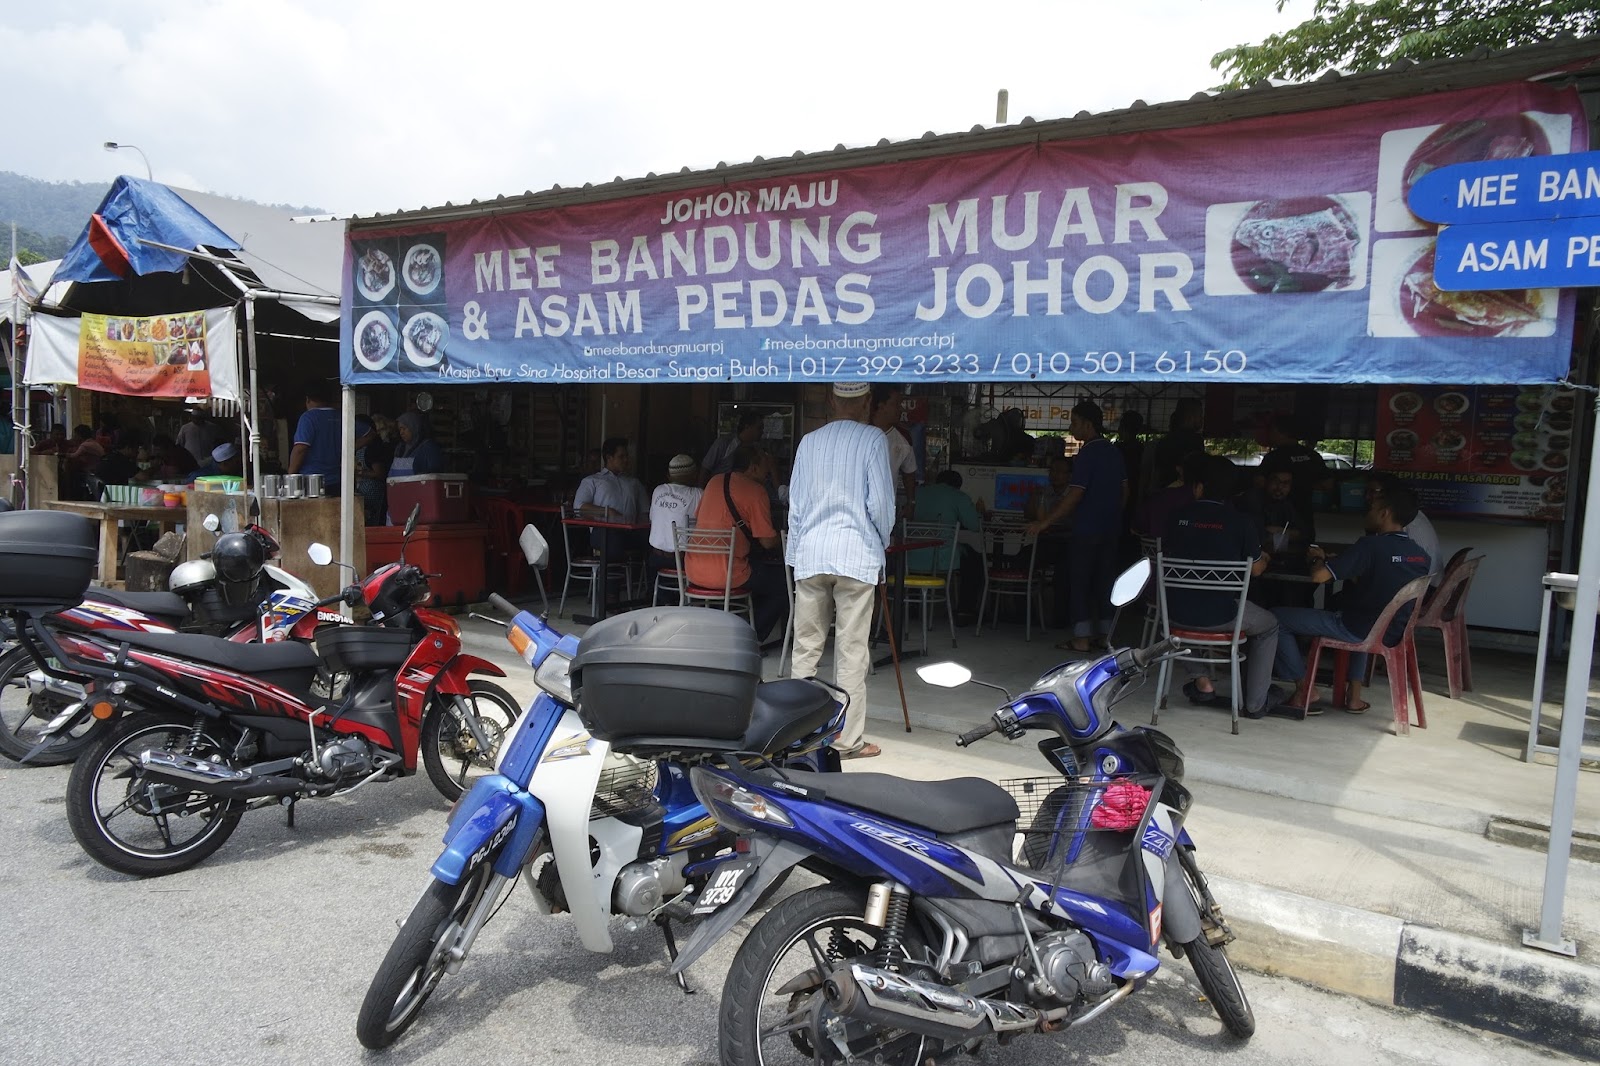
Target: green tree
28, 257
1350, 36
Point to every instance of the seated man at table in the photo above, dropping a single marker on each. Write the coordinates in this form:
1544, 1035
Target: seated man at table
1419, 529
672, 505
1209, 527
122, 464
1374, 569
611, 494
1286, 529
738, 501
944, 502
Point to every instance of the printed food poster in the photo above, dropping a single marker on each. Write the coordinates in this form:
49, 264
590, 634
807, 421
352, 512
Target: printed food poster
399, 306
164, 355
1485, 450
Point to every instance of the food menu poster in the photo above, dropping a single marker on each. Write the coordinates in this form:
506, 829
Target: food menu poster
163, 355
1485, 450
1269, 249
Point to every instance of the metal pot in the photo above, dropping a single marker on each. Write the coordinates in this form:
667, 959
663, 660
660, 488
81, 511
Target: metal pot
313, 485
271, 486
294, 486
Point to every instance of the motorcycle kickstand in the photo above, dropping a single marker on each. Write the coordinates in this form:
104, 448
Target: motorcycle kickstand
288, 802
665, 925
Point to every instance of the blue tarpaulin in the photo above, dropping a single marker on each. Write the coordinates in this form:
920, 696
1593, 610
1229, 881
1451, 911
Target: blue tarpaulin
135, 210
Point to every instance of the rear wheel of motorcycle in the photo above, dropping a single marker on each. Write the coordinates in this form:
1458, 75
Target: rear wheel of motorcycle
24, 713
416, 960
135, 825
1211, 964
450, 752
768, 997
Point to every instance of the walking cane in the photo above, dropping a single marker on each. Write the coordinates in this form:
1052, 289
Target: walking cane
894, 653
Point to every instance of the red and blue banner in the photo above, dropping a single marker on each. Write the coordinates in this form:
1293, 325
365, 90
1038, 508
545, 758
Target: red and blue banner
1274, 249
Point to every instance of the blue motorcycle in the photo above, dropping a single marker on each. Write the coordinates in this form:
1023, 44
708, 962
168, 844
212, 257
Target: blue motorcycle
937, 929
590, 800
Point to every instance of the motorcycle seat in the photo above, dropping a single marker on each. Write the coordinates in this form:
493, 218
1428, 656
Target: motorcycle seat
958, 805
242, 658
155, 604
784, 712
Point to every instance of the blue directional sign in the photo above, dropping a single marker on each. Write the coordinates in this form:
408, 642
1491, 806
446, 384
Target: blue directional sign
1543, 254
1510, 190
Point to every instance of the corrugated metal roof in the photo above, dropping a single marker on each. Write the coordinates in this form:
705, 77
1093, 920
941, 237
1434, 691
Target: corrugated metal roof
1560, 58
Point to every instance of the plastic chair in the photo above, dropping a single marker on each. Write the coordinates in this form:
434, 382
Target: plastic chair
933, 585
718, 543
1226, 576
1002, 578
1399, 662
1446, 611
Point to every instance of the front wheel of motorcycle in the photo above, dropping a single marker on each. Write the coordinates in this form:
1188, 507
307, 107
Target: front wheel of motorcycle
136, 824
24, 712
418, 958
772, 1000
450, 752
1211, 964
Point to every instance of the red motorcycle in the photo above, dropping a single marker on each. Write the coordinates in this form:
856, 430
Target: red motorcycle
210, 728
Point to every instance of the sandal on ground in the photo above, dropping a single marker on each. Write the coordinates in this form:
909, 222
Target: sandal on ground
865, 751
1363, 709
1192, 690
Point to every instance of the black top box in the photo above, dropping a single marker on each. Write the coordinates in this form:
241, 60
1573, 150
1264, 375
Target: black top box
667, 672
46, 557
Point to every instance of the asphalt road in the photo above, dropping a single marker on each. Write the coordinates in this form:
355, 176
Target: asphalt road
263, 953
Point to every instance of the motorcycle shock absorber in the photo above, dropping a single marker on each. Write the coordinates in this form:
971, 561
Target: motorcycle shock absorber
890, 902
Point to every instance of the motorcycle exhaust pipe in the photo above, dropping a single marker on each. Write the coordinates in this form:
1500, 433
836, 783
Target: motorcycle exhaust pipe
39, 683
879, 997
214, 779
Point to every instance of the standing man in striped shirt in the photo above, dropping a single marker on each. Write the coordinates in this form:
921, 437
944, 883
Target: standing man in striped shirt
841, 516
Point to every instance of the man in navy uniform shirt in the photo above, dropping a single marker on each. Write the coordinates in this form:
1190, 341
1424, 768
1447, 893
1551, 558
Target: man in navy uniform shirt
1374, 569
1209, 527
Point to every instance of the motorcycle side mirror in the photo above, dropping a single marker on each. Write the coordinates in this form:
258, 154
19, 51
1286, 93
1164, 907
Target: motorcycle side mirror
1130, 583
944, 675
255, 507
320, 554
212, 522
411, 522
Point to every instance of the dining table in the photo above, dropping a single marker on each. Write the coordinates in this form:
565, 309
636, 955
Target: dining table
600, 589
110, 516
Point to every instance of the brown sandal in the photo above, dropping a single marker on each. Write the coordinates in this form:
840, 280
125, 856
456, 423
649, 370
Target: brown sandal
865, 751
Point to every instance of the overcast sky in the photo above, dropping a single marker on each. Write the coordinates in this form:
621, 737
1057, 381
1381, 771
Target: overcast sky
380, 105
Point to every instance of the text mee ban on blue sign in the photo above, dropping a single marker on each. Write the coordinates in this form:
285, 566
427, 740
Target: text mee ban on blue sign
1510, 190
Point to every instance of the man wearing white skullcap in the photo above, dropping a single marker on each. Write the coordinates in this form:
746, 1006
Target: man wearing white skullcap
670, 507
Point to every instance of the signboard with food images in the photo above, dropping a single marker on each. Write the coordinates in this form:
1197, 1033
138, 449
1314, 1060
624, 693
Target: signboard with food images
1270, 249
1484, 450
164, 355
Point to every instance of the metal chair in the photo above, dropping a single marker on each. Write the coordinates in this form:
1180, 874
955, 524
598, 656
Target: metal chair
720, 544
584, 567
1001, 577
1399, 662
1223, 576
1445, 609
1149, 547
931, 584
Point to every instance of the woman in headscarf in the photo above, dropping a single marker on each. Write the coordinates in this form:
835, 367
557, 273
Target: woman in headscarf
418, 452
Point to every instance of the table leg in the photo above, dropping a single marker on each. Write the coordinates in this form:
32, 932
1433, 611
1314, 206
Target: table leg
108, 550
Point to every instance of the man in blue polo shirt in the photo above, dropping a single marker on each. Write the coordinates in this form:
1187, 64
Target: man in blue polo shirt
1097, 494
1374, 568
1209, 527
316, 438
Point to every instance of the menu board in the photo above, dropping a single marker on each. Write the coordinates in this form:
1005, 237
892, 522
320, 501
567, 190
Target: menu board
1499, 450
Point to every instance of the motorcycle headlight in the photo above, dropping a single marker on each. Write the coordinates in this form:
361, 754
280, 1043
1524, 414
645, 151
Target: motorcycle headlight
552, 676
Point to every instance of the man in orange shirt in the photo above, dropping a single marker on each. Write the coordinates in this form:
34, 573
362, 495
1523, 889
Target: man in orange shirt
739, 501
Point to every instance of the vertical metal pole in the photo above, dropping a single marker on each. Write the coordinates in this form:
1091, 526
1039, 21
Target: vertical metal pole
255, 403
1573, 711
347, 475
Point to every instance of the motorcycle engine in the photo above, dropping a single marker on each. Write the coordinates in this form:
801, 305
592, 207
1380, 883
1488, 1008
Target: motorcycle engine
1071, 967
644, 886
345, 758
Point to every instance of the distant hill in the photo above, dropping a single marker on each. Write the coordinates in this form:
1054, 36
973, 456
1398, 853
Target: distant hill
50, 214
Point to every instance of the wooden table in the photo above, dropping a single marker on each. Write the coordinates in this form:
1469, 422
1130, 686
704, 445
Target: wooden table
600, 588
109, 515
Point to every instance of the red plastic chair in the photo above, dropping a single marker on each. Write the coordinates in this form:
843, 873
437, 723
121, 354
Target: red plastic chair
1446, 611
1399, 662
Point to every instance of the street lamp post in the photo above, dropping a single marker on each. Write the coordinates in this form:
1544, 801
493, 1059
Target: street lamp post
112, 146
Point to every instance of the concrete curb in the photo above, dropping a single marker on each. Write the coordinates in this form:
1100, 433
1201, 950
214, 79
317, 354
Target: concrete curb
1518, 992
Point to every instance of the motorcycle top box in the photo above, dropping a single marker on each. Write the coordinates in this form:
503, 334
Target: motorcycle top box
668, 672
46, 557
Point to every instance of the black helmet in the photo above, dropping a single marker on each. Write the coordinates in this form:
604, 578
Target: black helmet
238, 557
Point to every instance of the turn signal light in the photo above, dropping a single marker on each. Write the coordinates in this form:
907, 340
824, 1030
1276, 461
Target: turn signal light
103, 709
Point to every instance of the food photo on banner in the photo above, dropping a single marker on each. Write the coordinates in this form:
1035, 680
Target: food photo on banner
1263, 249
193, 353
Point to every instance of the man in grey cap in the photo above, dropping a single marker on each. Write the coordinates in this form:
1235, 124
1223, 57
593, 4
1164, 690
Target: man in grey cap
224, 462
671, 506
841, 516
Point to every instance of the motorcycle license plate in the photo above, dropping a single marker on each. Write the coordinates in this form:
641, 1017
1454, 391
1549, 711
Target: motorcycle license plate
725, 884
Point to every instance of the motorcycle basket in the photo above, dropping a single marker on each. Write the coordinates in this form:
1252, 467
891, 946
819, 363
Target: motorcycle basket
1084, 832
626, 785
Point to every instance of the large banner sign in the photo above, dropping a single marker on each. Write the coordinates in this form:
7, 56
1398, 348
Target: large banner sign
1277, 249
193, 353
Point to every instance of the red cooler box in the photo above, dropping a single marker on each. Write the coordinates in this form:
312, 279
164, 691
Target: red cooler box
455, 552
443, 498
